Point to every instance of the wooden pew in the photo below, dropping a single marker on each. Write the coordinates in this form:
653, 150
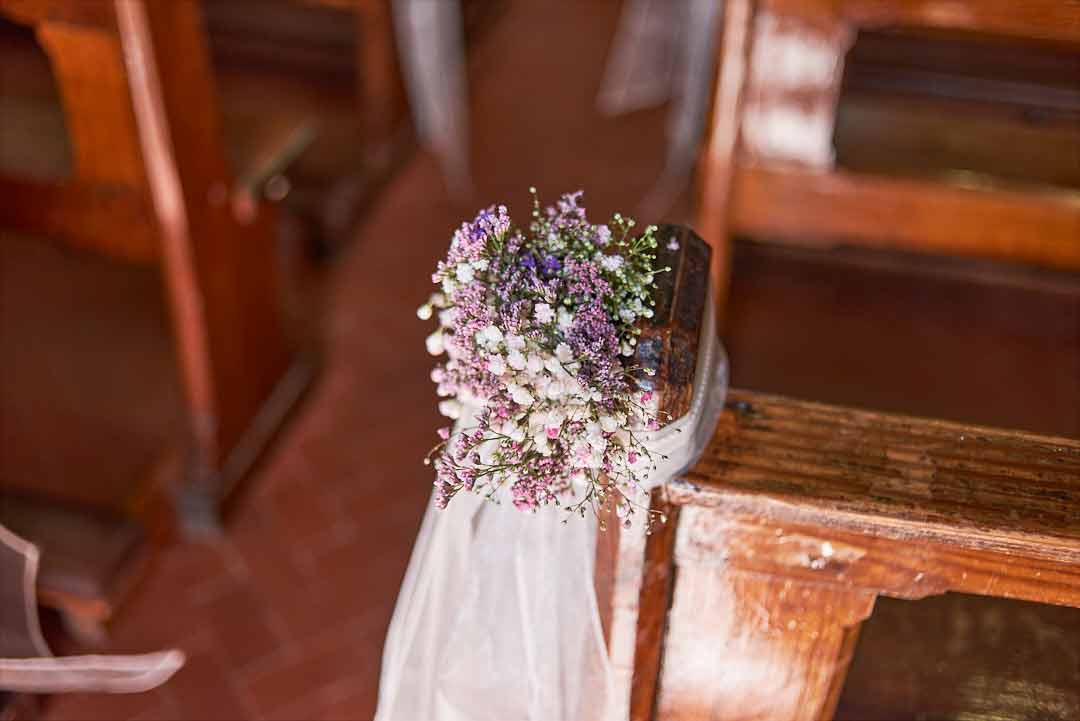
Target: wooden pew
747, 603
768, 168
799, 515
151, 184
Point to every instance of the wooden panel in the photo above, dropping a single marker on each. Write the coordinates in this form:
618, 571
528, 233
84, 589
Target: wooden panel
97, 14
1057, 20
88, 64
749, 646
792, 89
1038, 228
113, 220
968, 487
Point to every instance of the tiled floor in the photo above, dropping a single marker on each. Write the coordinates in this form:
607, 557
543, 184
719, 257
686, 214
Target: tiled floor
284, 617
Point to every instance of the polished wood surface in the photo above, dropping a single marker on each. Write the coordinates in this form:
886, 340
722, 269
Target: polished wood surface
799, 514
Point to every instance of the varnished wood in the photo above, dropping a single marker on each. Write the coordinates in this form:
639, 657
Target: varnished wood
109, 219
668, 343
657, 581
151, 183
890, 476
1039, 228
762, 186
800, 514
717, 165
752, 646
88, 65
1056, 20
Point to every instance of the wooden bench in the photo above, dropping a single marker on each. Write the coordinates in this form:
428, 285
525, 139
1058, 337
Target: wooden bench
799, 515
768, 168
151, 184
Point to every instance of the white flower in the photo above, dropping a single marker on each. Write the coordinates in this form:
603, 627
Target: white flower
519, 394
450, 409
673, 244
543, 313
513, 431
565, 321
434, 343
465, 273
515, 342
627, 349
480, 265
534, 365
603, 235
611, 263
554, 390
424, 311
448, 285
563, 353
610, 424
496, 364
489, 336
627, 315
515, 360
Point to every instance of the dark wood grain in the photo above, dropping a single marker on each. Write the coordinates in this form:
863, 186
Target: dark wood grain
893, 476
657, 581
669, 341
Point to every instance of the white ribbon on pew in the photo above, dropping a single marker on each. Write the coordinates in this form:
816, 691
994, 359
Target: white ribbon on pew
497, 618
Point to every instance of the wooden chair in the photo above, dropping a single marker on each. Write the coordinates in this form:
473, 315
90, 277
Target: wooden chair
747, 603
768, 167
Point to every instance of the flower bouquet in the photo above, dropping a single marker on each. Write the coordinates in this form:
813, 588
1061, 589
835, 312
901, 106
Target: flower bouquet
539, 329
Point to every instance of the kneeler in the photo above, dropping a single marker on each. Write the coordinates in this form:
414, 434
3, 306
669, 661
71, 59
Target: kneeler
26, 663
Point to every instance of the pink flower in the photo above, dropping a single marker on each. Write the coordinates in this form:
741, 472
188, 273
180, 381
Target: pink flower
652, 425
646, 396
631, 457
553, 432
444, 432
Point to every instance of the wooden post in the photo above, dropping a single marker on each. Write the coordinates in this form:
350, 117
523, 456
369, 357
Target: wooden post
751, 645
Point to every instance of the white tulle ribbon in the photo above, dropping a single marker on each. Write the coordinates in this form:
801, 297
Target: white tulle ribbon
497, 618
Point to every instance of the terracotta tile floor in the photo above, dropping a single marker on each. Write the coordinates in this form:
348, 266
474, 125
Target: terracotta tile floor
284, 617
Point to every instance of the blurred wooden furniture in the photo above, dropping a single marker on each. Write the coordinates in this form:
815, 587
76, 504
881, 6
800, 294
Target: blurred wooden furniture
768, 168
151, 186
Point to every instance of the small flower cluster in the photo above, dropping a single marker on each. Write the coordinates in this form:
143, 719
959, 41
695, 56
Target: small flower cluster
537, 328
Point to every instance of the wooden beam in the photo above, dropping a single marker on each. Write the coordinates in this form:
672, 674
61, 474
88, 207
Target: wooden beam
110, 219
1051, 20
1038, 227
973, 489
